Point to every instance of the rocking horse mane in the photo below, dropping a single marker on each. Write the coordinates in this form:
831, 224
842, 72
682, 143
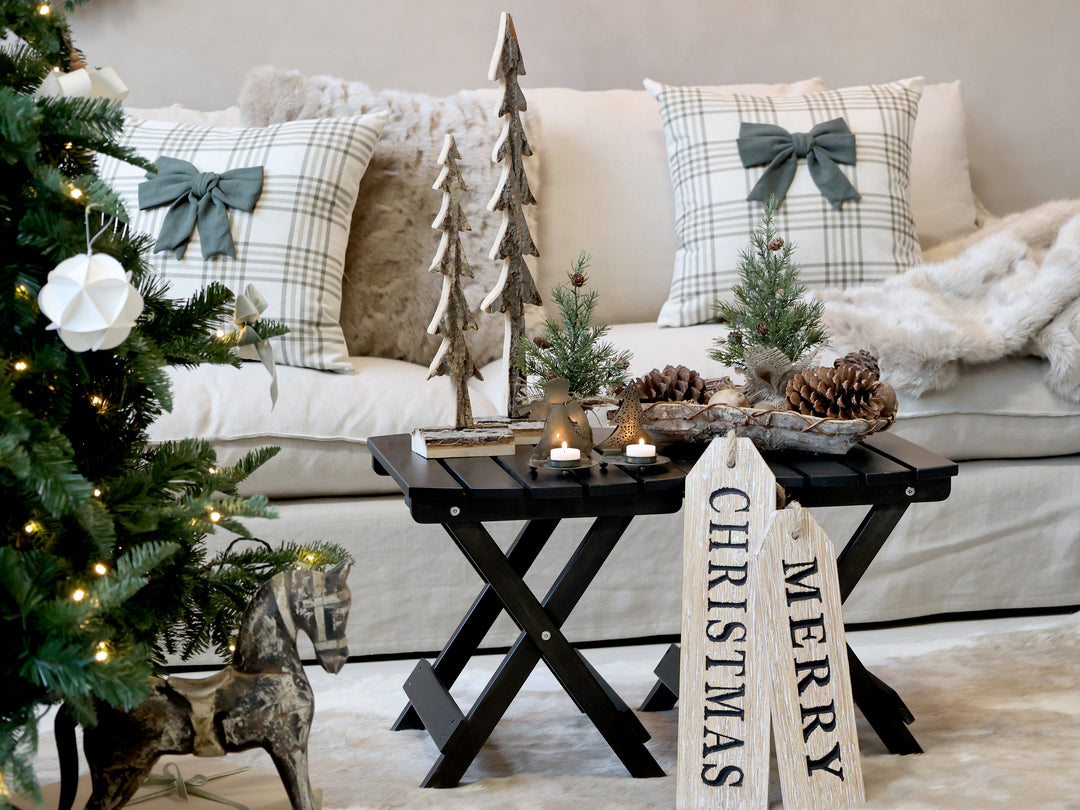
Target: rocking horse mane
292, 600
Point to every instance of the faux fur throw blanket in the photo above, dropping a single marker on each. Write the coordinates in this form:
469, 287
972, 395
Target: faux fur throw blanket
1011, 289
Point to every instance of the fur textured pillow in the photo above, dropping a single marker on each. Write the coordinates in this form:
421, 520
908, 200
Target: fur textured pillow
389, 296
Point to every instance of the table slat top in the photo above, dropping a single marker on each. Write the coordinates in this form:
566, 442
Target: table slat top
505, 487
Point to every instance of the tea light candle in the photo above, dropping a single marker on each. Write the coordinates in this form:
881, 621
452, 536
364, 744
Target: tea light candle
565, 456
645, 452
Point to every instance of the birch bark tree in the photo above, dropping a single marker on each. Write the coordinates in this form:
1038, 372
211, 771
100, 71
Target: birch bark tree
453, 318
515, 287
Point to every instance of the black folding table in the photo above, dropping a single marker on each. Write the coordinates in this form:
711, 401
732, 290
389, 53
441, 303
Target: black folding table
885, 472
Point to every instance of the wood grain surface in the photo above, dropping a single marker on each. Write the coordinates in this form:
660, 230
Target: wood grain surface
723, 748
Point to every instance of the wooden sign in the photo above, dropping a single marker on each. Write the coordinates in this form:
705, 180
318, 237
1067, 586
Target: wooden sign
723, 752
813, 719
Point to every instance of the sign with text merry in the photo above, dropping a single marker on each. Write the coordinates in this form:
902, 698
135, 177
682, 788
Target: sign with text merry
813, 717
723, 754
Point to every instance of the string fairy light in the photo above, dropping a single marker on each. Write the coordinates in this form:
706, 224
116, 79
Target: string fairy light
102, 652
29, 527
78, 595
97, 493
44, 10
76, 192
215, 516
21, 365
100, 569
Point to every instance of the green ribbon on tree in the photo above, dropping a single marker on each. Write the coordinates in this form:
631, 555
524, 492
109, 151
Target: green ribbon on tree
175, 783
201, 197
824, 146
249, 307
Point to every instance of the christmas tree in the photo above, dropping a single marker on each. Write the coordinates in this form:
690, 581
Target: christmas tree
775, 331
103, 566
571, 347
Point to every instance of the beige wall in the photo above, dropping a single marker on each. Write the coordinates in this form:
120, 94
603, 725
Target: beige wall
1018, 60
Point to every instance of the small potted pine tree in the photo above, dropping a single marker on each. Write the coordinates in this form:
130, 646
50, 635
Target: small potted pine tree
774, 330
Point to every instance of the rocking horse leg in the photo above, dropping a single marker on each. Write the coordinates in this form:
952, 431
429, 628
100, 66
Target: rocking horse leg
115, 782
292, 766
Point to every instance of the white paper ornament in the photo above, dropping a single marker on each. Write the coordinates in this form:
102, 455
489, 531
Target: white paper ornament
90, 299
85, 82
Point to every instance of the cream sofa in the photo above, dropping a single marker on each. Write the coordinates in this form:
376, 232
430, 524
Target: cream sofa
1005, 540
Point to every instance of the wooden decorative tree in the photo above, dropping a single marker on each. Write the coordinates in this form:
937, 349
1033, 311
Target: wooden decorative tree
451, 320
453, 317
515, 287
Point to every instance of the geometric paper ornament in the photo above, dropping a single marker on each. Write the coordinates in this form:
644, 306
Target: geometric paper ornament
90, 299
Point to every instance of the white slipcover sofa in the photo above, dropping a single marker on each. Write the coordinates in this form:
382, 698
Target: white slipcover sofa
1005, 540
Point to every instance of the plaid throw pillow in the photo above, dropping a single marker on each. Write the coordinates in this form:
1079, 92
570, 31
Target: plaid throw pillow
866, 240
291, 246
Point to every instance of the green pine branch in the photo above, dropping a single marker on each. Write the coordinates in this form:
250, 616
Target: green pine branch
571, 347
769, 307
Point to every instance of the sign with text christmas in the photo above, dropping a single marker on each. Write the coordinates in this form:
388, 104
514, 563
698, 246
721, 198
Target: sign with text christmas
723, 752
802, 628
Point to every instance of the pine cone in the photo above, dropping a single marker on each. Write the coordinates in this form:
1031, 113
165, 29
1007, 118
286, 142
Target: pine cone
672, 385
776, 243
847, 392
860, 359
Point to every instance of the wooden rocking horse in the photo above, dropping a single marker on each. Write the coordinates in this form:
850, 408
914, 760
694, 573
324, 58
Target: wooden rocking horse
263, 699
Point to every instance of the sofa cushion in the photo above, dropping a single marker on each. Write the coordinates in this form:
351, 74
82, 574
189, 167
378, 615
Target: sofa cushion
607, 191
942, 201
291, 245
389, 296
179, 114
321, 421
1000, 410
864, 240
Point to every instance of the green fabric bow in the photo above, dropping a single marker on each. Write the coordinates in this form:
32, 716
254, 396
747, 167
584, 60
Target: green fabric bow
827, 144
249, 306
175, 783
202, 197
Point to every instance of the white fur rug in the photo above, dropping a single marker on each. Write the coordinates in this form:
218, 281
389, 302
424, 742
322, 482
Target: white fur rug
998, 716
1010, 289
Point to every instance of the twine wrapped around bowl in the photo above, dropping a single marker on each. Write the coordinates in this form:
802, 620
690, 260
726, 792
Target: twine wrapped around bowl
681, 422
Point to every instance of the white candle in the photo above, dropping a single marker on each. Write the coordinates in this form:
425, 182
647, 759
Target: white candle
565, 453
641, 450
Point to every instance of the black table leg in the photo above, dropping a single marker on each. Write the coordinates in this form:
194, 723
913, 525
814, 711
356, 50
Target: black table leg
865, 543
481, 616
880, 704
883, 708
541, 638
665, 692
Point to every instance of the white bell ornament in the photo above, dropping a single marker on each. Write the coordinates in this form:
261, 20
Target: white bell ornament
90, 299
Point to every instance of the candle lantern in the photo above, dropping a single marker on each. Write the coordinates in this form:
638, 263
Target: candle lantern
629, 443
566, 441
629, 425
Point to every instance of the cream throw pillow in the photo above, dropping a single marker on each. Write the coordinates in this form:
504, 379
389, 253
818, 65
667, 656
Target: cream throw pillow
942, 201
865, 240
389, 296
291, 246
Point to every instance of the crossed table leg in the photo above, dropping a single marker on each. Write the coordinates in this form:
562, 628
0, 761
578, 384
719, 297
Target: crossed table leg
459, 736
883, 708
